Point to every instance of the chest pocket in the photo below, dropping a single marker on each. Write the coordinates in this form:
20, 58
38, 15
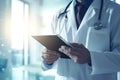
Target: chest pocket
98, 40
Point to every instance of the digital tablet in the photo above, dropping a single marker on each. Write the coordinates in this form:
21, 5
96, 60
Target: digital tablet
52, 42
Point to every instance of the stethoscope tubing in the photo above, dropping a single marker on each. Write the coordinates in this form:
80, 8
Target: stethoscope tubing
101, 8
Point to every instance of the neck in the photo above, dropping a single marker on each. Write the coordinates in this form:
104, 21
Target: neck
85, 1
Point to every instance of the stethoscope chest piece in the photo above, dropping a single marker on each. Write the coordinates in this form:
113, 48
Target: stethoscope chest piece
98, 25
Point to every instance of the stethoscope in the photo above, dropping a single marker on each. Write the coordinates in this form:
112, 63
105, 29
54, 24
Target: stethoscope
97, 25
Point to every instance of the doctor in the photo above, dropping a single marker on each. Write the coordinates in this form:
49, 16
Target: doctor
96, 41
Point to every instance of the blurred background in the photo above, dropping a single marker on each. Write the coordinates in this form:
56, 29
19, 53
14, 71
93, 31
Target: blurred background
20, 54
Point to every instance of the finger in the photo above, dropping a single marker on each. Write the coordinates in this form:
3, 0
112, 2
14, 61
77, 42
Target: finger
49, 59
63, 48
50, 52
46, 50
68, 51
73, 55
77, 45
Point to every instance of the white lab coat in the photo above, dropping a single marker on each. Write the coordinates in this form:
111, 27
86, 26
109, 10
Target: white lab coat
103, 44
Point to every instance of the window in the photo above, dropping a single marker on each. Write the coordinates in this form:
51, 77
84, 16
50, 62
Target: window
20, 15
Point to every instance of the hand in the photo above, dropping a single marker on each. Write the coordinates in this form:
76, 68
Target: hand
78, 53
49, 56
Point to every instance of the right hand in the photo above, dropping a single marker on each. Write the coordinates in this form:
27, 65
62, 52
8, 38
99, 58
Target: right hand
49, 56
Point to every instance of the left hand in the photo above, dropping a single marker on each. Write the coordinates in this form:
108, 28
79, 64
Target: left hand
78, 53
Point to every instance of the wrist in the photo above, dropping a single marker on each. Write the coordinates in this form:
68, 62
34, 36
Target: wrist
48, 63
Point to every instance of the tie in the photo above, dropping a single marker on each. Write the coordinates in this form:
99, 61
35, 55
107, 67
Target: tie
78, 19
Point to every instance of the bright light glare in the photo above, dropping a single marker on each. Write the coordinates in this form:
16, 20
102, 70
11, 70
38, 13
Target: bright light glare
19, 24
118, 1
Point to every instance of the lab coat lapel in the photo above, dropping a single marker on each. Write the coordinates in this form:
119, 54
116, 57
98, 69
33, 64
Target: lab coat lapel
91, 14
71, 17
89, 19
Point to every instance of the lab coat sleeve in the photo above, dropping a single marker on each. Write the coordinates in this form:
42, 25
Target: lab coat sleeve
109, 61
46, 66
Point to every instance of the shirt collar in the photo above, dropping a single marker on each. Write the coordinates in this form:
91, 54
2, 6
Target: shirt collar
85, 2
